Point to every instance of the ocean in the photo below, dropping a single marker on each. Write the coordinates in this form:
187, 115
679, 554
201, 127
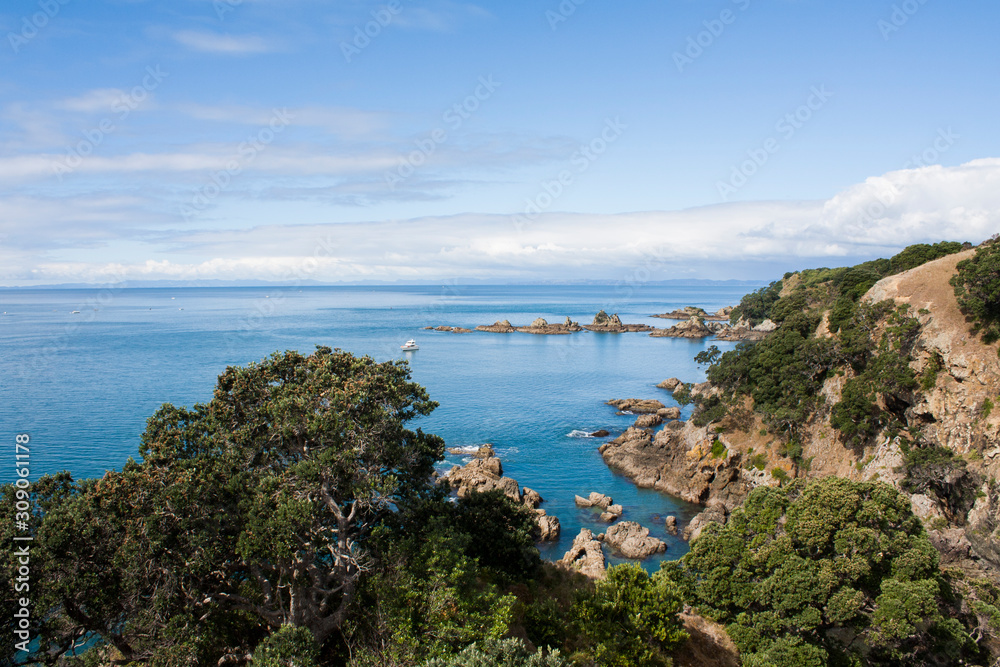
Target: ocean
83, 369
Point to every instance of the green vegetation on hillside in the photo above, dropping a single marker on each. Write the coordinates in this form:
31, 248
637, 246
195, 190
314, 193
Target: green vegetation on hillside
829, 572
977, 288
870, 344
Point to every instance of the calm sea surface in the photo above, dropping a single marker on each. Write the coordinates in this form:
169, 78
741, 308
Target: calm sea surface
82, 384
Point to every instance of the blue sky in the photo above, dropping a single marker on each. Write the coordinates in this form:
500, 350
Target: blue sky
276, 140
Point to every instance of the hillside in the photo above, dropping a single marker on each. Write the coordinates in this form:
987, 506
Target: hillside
873, 373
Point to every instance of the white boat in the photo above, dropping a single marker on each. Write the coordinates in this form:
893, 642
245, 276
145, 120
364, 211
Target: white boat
409, 345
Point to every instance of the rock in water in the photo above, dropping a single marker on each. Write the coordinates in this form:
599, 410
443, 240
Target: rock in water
669, 414
669, 384
531, 498
633, 541
585, 556
600, 434
636, 405
649, 421
539, 323
671, 524
548, 527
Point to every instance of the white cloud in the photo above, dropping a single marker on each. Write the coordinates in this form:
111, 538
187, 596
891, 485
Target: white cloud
211, 42
926, 205
97, 100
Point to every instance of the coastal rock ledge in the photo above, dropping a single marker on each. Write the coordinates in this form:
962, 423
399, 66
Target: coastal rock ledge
678, 460
485, 473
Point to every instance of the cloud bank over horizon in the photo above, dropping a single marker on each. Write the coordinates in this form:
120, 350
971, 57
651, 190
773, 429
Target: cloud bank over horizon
874, 218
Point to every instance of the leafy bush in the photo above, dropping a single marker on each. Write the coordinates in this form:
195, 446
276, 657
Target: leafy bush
823, 572
977, 288
631, 618
756, 306
288, 647
499, 653
718, 449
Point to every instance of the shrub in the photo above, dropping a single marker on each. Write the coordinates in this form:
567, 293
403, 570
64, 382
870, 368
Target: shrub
499, 653
977, 289
718, 449
288, 647
799, 566
631, 618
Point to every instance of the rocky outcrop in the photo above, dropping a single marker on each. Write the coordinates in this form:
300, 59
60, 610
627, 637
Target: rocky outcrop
633, 541
585, 556
693, 311
714, 513
594, 500
668, 414
541, 327
649, 421
485, 473
669, 384
742, 330
604, 323
692, 328
678, 460
449, 329
503, 326
600, 433
548, 527
671, 525
636, 406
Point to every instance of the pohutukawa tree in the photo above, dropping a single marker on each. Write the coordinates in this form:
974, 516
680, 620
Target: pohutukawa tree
247, 513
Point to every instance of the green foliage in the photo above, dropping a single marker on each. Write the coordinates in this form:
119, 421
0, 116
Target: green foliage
857, 416
709, 356
248, 513
718, 449
631, 618
921, 253
499, 653
709, 410
986, 409
288, 647
823, 572
928, 379
757, 461
977, 288
756, 306
782, 373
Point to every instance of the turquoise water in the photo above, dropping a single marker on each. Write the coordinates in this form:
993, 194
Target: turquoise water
83, 384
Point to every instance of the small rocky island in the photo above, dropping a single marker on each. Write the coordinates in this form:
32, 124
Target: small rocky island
686, 313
